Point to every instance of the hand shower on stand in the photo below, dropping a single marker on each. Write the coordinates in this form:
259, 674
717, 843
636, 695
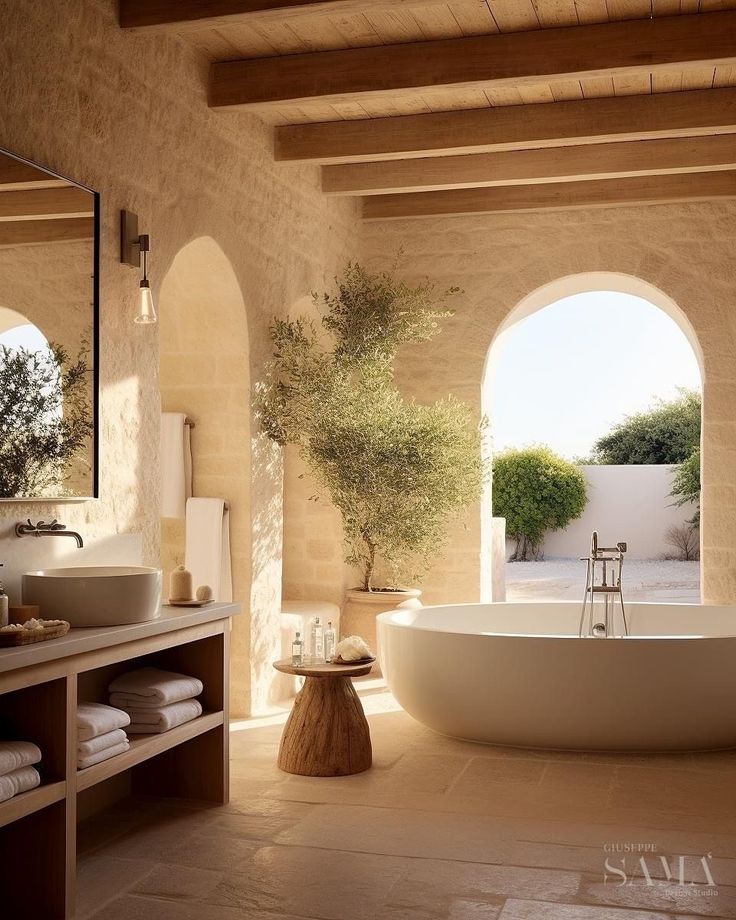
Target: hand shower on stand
606, 562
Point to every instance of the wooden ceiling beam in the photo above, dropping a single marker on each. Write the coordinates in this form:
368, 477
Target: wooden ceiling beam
15, 175
26, 232
514, 127
523, 167
602, 193
184, 15
46, 204
573, 53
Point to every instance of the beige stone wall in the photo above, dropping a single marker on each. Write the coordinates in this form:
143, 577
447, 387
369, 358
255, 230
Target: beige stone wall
313, 568
126, 114
685, 250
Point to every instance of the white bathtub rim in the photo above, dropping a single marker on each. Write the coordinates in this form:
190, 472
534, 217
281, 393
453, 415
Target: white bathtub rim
392, 619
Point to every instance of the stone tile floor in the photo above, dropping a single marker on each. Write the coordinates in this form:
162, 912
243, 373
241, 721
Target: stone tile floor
439, 829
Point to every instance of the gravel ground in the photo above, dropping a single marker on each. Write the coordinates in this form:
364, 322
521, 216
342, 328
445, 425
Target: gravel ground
564, 579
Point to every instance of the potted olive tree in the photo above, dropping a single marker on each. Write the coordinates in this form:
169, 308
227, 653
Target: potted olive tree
395, 469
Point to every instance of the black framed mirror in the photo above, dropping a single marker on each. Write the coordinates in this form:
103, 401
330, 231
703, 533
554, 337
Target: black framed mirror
49, 334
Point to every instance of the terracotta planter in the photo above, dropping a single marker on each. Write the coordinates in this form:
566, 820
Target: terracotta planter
362, 607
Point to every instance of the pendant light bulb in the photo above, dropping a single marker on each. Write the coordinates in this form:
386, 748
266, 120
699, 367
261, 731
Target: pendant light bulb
146, 309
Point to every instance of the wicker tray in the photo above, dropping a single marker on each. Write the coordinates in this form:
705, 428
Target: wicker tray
27, 637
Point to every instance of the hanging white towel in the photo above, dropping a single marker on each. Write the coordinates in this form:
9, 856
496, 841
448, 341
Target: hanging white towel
176, 464
207, 554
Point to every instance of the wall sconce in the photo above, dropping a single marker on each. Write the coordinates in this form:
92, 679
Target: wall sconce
132, 246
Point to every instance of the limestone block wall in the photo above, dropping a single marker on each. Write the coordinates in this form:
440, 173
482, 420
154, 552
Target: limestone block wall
126, 114
313, 568
684, 250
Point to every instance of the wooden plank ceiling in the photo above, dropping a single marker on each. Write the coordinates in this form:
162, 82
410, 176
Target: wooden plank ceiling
479, 105
37, 207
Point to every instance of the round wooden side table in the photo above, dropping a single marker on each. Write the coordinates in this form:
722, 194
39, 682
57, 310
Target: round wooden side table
327, 732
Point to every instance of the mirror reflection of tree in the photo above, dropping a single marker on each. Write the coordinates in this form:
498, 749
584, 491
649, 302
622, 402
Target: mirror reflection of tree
46, 418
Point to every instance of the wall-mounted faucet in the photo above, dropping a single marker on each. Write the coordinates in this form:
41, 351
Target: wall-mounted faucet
41, 529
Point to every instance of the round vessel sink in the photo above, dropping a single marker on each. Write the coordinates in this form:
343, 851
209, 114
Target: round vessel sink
98, 595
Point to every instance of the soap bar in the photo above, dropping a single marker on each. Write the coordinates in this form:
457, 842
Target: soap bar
22, 612
180, 585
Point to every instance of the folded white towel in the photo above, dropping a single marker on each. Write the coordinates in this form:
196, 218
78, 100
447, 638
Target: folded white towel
17, 754
154, 721
101, 742
16, 781
154, 686
91, 759
95, 719
129, 701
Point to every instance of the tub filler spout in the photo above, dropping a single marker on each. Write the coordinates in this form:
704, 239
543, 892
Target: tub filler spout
604, 566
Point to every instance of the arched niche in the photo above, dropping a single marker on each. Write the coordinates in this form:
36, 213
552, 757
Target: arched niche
205, 373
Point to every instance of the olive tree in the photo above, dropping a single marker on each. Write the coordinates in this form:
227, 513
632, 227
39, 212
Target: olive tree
45, 418
536, 491
396, 470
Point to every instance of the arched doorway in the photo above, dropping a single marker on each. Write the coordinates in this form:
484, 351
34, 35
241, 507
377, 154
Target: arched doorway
205, 373
595, 366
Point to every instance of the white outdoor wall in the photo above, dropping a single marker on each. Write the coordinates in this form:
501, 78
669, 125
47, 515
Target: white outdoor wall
629, 503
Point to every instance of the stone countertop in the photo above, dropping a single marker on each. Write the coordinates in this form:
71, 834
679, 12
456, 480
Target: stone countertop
79, 640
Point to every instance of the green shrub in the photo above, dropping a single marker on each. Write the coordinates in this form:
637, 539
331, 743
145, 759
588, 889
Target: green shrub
668, 433
686, 485
536, 491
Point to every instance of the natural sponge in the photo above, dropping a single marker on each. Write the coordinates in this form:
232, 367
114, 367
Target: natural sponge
353, 648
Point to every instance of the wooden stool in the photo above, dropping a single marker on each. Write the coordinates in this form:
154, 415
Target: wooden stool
327, 732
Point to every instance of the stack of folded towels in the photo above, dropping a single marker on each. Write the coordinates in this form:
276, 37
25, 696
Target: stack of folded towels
156, 700
17, 773
100, 733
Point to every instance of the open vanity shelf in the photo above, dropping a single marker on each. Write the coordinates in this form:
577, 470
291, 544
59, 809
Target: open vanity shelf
39, 689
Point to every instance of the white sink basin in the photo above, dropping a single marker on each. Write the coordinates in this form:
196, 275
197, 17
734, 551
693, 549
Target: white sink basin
96, 595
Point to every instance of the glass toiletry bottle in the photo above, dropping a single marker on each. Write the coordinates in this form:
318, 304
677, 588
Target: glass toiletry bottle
317, 649
330, 641
4, 602
297, 647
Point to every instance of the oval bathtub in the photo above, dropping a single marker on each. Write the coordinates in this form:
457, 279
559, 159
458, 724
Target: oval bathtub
517, 674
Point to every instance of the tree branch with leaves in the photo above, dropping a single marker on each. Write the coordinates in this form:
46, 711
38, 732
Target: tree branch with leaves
45, 419
397, 470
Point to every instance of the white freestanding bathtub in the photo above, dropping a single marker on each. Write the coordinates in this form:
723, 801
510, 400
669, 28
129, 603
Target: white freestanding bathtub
518, 674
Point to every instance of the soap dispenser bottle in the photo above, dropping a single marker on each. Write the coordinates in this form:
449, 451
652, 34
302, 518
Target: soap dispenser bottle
4, 603
296, 651
330, 641
317, 645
